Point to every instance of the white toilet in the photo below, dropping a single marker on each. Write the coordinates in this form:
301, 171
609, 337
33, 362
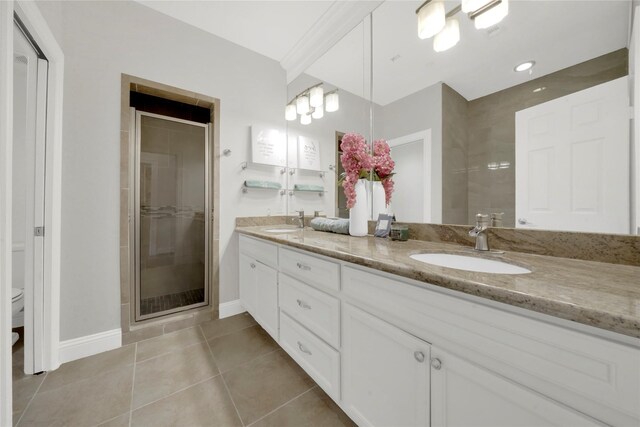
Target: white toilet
17, 303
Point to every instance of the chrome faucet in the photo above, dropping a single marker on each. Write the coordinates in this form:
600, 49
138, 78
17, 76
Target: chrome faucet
480, 232
300, 218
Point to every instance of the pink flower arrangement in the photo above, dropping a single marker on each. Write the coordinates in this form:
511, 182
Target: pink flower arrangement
358, 163
383, 166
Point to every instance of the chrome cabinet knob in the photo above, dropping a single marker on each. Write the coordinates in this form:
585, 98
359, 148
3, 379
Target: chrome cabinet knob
436, 363
302, 266
303, 304
419, 356
303, 348
522, 221
253, 265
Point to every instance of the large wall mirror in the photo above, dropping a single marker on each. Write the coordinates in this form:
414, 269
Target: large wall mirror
331, 98
548, 147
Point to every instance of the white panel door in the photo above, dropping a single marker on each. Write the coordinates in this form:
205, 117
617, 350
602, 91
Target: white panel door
465, 395
266, 303
385, 372
572, 162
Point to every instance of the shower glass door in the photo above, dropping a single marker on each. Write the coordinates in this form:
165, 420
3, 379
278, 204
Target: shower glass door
172, 215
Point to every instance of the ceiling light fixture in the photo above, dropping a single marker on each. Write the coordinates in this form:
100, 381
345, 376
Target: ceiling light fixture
527, 65
311, 103
434, 21
431, 18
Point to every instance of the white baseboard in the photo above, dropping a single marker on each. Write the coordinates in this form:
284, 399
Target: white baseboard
231, 308
89, 345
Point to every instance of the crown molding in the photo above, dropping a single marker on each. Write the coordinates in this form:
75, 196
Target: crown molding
337, 21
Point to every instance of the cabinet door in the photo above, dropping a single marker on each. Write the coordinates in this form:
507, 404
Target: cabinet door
385, 375
247, 276
266, 302
465, 395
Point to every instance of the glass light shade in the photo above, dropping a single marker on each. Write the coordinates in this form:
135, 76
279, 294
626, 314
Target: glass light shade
448, 37
492, 16
305, 119
473, 5
431, 19
316, 96
318, 113
302, 104
332, 102
290, 112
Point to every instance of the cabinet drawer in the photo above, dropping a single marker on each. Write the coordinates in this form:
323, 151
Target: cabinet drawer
309, 269
316, 310
266, 253
591, 374
317, 358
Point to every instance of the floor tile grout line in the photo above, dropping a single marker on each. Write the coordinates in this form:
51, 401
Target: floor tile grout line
228, 333
251, 360
24, 411
204, 380
133, 383
172, 351
226, 387
283, 405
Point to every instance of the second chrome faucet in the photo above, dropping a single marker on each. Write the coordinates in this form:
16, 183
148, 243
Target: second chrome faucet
480, 232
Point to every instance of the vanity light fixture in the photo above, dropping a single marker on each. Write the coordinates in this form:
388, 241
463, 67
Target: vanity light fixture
527, 65
433, 21
332, 102
311, 103
448, 37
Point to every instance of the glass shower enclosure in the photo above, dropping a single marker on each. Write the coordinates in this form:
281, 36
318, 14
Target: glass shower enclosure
172, 215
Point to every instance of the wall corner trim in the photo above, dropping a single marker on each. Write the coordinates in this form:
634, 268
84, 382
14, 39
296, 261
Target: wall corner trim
231, 308
77, 348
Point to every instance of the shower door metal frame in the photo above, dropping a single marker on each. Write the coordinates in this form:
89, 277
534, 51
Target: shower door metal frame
136, 223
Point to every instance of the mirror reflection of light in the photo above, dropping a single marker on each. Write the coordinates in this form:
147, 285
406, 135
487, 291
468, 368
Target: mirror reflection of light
498, 165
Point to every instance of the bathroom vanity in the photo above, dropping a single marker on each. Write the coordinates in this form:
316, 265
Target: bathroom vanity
395, 341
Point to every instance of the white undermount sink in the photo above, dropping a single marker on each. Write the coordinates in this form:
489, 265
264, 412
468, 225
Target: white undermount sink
470, 263
281, 230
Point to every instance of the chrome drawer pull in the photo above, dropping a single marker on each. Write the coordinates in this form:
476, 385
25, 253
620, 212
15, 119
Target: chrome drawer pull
303, 304
253, 265
303, 348
419, 356
301, 266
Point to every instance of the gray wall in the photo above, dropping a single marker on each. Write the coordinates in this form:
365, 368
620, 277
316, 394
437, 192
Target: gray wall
454, 157
100, 41
417, 112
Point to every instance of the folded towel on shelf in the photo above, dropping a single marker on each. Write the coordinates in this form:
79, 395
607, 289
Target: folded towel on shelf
338, 225
308, 187
254, 183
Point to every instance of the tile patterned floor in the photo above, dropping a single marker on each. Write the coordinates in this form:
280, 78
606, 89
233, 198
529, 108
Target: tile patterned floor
225, 372
168, 302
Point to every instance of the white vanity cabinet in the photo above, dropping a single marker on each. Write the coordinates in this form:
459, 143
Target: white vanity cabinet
259, 283
385, 372
394, 352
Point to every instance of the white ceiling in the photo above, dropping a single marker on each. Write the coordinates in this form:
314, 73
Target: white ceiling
555, 33
271, 28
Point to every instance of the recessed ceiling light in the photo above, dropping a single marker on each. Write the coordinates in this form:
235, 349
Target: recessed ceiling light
524, 66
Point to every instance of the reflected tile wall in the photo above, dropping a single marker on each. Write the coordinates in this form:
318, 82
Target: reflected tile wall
491, 130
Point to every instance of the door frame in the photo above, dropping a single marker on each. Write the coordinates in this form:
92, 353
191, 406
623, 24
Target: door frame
430, 207
34, 21
137, 118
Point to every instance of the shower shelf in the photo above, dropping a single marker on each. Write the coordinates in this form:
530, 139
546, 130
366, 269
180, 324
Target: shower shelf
246, 189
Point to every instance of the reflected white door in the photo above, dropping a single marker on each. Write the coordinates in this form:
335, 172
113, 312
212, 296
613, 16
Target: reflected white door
572, 162
412, 190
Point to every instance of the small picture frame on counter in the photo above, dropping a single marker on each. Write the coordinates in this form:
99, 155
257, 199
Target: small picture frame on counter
383, 225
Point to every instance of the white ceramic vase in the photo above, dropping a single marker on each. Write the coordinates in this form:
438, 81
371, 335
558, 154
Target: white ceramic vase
359, 213
378, 200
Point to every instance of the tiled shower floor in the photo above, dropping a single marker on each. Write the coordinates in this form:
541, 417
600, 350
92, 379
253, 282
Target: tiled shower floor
168, 302
225, 372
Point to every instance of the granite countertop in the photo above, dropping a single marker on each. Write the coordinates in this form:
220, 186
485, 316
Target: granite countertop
598, 294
